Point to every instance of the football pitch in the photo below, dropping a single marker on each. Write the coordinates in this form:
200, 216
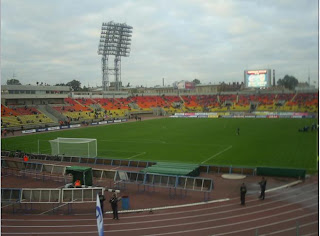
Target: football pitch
261, 142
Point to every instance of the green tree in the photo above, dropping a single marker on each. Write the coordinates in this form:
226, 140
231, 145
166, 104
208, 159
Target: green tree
13, 82
61, 84
196, 81
288, 81
85, 89
75, 85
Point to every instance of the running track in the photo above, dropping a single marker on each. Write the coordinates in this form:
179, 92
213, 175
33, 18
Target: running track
278, 214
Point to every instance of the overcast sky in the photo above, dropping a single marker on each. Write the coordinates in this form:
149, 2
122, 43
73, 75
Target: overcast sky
56, 41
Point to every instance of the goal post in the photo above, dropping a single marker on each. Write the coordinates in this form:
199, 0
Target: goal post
82, 147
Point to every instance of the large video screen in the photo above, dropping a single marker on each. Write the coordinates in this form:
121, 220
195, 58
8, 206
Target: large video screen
257, 78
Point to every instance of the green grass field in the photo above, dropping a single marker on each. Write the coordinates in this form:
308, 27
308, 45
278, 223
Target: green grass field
262, 142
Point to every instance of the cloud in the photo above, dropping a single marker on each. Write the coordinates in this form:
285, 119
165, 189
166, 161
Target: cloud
214, 41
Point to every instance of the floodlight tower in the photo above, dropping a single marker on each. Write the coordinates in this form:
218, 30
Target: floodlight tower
115, 40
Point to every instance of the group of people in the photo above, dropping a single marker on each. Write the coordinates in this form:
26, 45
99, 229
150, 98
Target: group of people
243, 191
113, 202
306, 128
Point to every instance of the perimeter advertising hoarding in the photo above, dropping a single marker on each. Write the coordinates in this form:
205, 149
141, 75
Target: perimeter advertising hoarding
257, 78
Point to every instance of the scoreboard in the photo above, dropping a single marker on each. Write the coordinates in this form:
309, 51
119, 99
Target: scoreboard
257, 78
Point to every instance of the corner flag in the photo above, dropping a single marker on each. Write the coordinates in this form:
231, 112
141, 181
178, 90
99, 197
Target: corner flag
99, 216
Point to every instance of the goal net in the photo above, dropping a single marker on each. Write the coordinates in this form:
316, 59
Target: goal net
82, 147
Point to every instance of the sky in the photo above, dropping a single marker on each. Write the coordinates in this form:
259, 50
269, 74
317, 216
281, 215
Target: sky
213, 41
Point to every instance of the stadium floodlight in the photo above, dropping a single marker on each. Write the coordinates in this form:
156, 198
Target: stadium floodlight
115, 40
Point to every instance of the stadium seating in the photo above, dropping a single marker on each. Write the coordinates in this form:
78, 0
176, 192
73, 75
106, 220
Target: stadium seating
5, 111
148, 102
191, 104
86, 102
85, 108
22, 116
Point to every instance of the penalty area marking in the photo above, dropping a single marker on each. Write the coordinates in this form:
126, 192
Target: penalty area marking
144, 141
226, 149
142, 153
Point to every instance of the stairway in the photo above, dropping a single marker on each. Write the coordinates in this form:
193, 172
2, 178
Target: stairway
293, 97
49, 112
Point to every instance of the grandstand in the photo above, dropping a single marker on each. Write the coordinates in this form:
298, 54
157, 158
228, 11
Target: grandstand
34, 108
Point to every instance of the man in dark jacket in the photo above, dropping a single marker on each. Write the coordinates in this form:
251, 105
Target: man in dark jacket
114, 205
263, 184
243, 191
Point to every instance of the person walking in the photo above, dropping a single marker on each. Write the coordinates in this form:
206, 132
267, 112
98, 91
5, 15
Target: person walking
114, 205
263, 184
243, 191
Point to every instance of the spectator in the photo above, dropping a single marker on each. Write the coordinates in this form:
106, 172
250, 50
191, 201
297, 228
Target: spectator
263, 184
243, 191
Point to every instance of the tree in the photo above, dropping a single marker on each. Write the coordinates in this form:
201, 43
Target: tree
289, 82
196, 81
61, 84
13, 82
85, 89
75, 85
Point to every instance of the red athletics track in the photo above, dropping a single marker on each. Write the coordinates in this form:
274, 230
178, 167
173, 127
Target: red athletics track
278, 214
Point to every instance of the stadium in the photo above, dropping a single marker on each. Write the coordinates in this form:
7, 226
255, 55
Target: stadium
173, 156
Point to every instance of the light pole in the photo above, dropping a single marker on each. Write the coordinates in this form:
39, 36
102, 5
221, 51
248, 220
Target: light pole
115, 40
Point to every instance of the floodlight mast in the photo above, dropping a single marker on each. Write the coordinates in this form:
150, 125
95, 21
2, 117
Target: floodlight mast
115, 40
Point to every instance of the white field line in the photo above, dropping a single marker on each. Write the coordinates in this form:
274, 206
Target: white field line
133, 141
142, 153
226, 149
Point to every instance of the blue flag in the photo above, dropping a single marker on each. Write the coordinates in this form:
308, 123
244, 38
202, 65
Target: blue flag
99, 216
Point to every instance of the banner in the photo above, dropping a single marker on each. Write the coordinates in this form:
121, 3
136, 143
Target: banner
54, 128
99, 216
75, 126
42, 129
272, 116
29, 131
103, 122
